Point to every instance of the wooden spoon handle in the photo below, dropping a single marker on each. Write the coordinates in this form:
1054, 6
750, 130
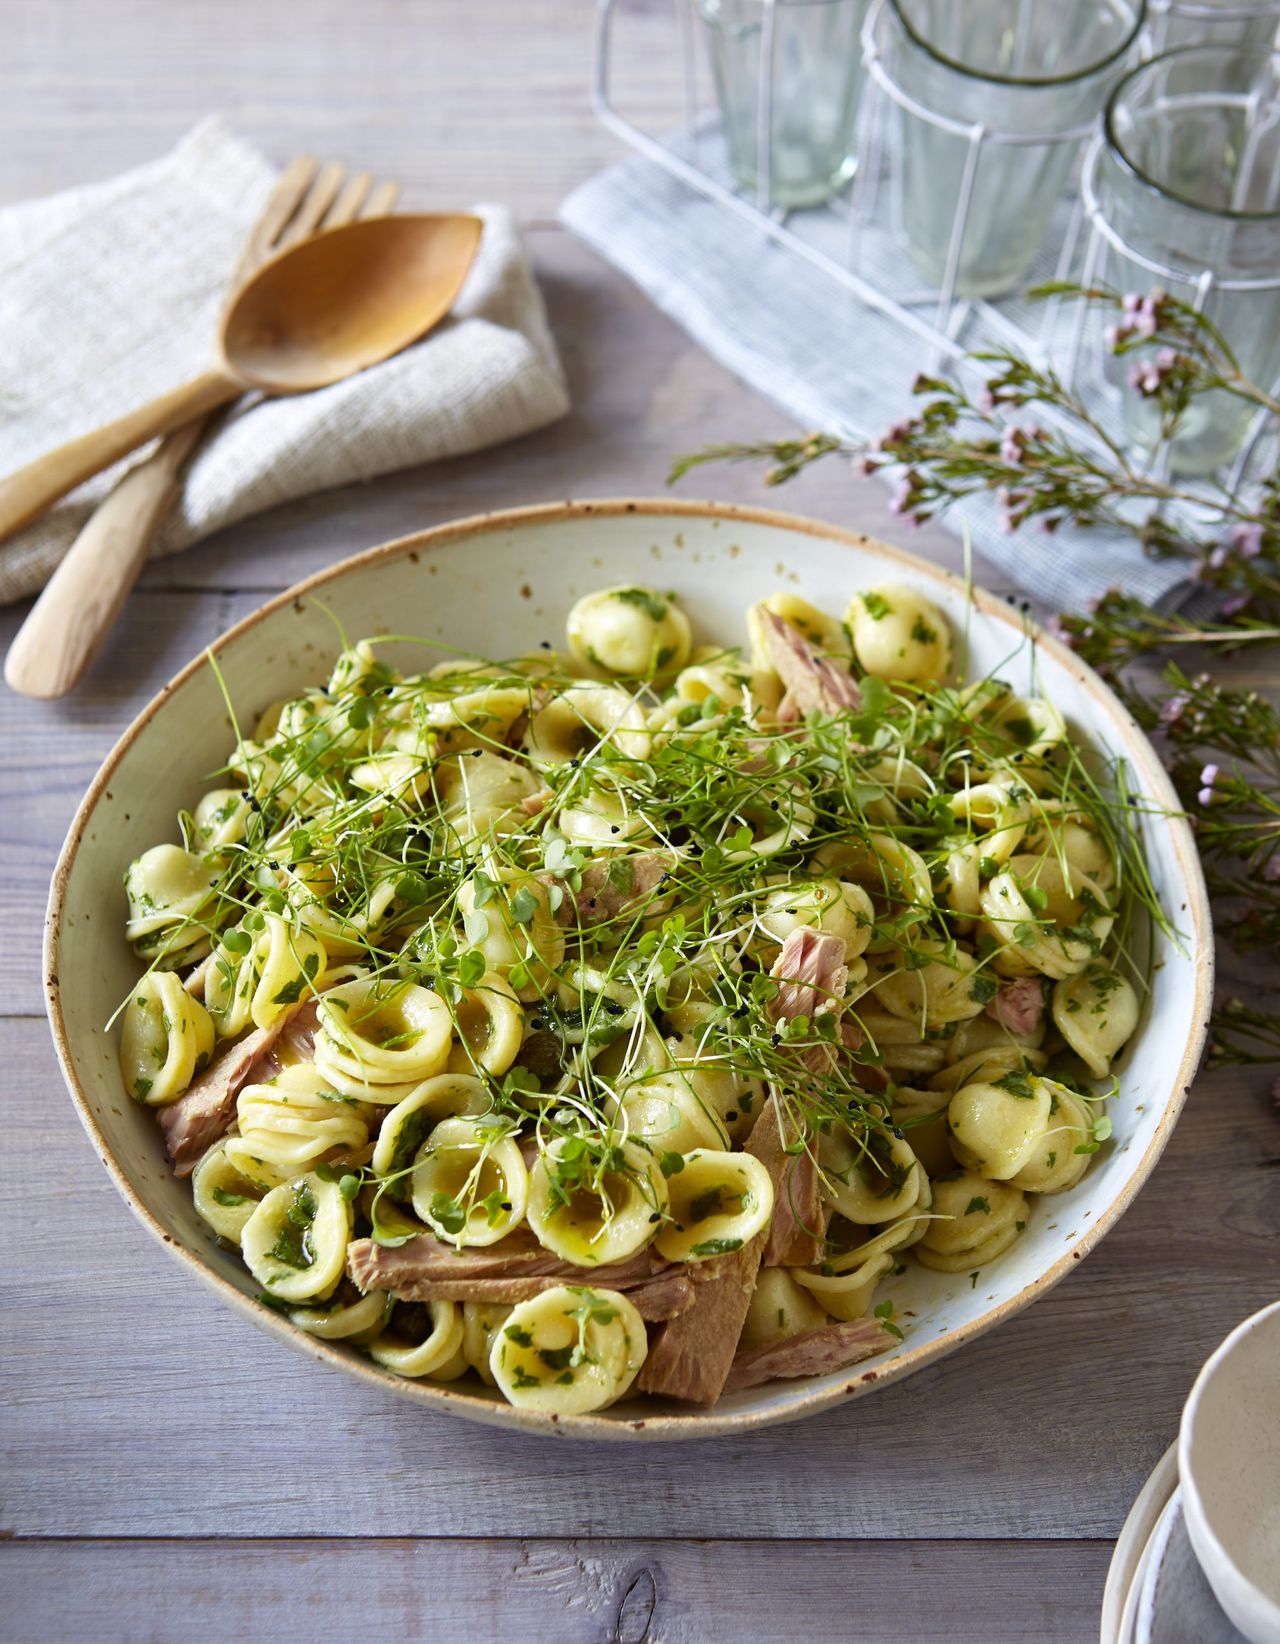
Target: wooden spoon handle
65, 628
31, 490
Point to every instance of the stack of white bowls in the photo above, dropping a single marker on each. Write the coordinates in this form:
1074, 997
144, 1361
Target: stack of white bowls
1198, 1559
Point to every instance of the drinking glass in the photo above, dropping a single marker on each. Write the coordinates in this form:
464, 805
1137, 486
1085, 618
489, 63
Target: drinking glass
995, 96
1177, 23
1188, 179
812, 65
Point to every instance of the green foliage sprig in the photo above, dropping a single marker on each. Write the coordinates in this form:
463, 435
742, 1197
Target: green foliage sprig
1025, 438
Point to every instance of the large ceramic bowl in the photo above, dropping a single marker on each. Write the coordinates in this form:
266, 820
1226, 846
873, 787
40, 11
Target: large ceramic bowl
500, 584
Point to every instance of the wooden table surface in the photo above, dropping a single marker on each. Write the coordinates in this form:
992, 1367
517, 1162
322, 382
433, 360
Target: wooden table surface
169, 1472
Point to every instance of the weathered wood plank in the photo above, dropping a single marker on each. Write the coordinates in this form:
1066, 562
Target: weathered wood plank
137, 1405
576, 1592
462, 102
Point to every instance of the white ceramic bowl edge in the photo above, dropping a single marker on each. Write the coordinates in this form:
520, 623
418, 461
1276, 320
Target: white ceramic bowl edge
1229, 1463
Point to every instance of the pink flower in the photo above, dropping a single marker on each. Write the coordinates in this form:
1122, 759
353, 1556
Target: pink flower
1004, 509
1146, 376
1131, 303
1246, 539
1218, 558
1208, 782
902, 497
1236, 604
1113, 336
864, 466
1174, 708
1011, 447
986, 402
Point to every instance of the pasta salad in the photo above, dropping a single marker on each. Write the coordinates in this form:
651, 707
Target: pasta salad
619, 1019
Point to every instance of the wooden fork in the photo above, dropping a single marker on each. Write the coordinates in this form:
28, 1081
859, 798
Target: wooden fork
65, 628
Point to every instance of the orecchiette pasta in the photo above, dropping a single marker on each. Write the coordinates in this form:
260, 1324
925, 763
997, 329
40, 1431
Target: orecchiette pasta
629, 631
166, 1040
570, 1350
598, 1018
899, 634
295, 1242
1096, 1013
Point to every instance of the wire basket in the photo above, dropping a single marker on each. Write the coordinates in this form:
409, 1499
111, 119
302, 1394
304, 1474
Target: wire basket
855, 239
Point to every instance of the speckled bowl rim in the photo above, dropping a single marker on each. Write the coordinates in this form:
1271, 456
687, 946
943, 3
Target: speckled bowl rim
664, 1424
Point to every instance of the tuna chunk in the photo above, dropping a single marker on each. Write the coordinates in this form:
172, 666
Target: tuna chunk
811, 974
1018, 1005
813, 683
691, 1355
203, 1113
656, 1297
811, 1353
798, 1227
412, 1270
616, 888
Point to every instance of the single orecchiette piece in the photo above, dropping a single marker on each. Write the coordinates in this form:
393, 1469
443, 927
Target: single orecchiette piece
168, 889
569, 1350
940, 987
995, 1128
898, 634
629, 630
406, 1127
975, 1220
1096, 1013
844, 1286
1043, 922
481, 1324
289, 1126
997, 811
295, 1242
469, 1182
429, 1356
717, 1202
893, 876
1070, 838
872, 1181
676, 1109
780, 1307
357, 1321
481, 794
166, 1038
837, 906
223, 1196
594, 1208
988, 1066
220, 819
488, 1026
378, 1040
580, 718
1061, 1156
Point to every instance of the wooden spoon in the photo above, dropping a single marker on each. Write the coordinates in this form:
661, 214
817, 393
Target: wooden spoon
317, 313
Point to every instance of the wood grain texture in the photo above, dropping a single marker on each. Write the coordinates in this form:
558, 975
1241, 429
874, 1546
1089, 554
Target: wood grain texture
571, 1591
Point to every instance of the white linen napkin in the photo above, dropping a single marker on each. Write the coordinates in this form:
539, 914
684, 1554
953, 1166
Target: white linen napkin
111, 294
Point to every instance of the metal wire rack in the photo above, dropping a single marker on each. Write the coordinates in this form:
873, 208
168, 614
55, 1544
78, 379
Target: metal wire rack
855, 239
